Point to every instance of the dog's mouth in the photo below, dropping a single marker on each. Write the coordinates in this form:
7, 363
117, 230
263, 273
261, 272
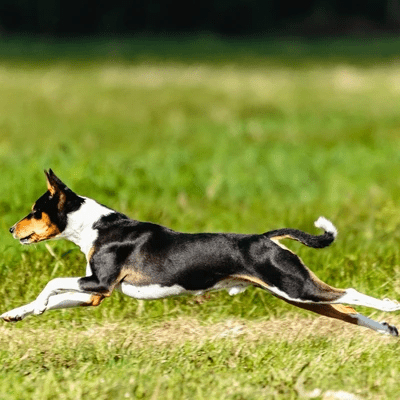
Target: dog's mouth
26, 239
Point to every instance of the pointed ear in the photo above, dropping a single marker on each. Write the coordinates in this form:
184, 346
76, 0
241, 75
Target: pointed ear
54, 184
51, 184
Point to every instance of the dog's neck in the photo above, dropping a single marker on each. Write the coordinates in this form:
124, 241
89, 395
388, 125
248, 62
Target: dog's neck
79, 229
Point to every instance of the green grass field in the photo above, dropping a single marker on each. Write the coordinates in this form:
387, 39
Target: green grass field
257, 141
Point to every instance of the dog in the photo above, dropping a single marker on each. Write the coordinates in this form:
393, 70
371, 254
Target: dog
148, 261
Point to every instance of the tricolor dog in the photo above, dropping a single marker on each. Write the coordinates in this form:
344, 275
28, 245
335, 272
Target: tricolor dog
148, 261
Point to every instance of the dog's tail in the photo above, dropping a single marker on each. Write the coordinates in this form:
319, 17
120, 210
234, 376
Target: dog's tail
316, 241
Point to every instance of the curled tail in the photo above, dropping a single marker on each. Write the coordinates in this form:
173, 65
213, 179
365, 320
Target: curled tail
319, 241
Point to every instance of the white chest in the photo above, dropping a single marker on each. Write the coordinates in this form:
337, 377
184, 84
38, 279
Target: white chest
79, 229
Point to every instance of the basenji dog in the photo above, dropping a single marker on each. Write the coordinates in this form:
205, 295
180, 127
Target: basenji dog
149, 261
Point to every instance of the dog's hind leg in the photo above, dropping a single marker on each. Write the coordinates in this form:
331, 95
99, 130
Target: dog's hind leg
347, 314
289, 278
321, 292
337, 311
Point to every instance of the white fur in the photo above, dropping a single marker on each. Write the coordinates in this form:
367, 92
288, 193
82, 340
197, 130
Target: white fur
156, 291
150, 292
237, 289
63, 300
351, 296
369, 323
54, 287
19, 313
79, 229
65, 293
284, 295
68, 300
326, 225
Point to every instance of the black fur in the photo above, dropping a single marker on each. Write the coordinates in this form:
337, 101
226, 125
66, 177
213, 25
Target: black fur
317, 242
49, 204
196, 261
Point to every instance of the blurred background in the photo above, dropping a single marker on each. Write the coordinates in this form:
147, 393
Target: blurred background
220, 17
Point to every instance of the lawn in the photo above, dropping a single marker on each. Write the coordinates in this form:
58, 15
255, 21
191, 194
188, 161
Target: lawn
256, 141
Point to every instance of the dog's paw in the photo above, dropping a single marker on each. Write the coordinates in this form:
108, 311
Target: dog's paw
14, 315
17, 314
391, 329
391, 305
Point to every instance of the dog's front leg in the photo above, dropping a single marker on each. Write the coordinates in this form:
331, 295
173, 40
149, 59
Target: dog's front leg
38, 306
55, 302
52, 288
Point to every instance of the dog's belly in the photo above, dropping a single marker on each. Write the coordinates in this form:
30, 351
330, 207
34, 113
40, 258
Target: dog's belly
149, 292
156, 291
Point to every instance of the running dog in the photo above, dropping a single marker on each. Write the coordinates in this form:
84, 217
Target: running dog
148, 261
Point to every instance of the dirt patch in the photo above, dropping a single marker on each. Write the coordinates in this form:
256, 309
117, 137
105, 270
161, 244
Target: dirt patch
286, 329
181, 330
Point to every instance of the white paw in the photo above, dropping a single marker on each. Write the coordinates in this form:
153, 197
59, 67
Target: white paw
15, 315
391, 301
391, 305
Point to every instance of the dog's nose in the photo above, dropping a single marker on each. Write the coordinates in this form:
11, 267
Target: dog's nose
12, 229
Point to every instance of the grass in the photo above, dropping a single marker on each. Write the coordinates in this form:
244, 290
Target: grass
246, 145
184, 358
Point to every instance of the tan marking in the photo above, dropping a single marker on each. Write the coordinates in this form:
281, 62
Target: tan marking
133, 277
61, 200
321, 285
344, 309
95, 300
50, 185
336, 292
251, 279
40, 229
333, 293
276, 240
91, 252
53, 188
337, 311
325, 288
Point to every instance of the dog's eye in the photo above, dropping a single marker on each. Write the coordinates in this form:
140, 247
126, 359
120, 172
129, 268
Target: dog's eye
37, 214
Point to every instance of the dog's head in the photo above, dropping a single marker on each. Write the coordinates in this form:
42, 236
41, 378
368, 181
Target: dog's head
48, 217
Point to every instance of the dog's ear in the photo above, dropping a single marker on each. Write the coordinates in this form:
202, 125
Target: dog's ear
52, 184
56, 187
